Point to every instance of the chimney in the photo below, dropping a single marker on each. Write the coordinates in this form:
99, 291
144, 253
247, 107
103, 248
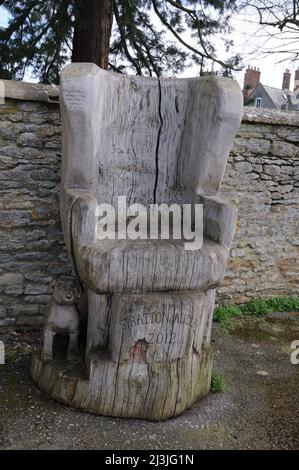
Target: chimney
286, 82
252, 79
296, 84
208, 73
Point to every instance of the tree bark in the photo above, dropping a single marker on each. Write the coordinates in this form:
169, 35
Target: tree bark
93, 24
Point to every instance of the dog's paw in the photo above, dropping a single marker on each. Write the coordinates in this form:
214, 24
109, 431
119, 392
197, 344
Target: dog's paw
46, 357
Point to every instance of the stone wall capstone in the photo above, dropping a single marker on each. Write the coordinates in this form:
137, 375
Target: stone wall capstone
262, 178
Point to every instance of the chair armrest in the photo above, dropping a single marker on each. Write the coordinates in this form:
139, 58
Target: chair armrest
219, 220
80, 208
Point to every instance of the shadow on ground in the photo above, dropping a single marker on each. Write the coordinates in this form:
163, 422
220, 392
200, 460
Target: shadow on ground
259, 408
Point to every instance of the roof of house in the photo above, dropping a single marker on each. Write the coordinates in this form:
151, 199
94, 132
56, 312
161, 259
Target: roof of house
277, 96
280, 99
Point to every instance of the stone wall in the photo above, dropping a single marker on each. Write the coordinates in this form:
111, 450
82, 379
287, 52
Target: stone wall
31, 245
261, 177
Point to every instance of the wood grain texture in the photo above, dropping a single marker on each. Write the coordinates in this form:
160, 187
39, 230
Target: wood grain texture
129, 390
151, 265
153, 360
150, 302
150, 140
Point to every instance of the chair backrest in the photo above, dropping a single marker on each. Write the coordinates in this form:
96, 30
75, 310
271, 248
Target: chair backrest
151, 140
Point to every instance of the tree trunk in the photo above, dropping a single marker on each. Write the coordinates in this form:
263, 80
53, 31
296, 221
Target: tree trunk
93, 24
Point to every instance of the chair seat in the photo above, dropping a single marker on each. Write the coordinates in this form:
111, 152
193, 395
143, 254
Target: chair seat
151, 265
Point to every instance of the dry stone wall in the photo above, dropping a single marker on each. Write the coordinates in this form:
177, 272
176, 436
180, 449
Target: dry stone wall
262, 178
32, 250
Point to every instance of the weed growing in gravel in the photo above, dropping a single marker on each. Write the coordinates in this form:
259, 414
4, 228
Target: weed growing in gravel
217, 383
225, 313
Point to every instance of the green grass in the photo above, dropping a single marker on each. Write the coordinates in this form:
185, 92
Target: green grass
225, 313
217, 383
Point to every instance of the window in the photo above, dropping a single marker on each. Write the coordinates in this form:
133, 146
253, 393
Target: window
258, 102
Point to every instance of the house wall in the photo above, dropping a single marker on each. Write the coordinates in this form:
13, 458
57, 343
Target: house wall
261, 178
259, 92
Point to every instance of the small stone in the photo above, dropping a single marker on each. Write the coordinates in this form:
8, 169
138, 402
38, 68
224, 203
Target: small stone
243, 167
258, 146
285, 188
11, 283
273, 170
36, 289
262, 372
3, 312
283, 149
29, 139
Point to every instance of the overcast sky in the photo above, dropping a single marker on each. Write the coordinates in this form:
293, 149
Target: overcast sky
251, 40
248, 40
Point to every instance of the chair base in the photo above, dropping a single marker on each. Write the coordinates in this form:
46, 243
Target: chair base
156, 361
171, 388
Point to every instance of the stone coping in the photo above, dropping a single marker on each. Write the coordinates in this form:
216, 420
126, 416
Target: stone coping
30, 91
271, 116
50, 93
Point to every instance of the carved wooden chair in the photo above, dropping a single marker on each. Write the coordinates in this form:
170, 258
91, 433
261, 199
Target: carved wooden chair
150, 302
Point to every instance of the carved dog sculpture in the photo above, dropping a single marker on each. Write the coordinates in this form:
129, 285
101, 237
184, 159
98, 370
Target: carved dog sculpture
63, 317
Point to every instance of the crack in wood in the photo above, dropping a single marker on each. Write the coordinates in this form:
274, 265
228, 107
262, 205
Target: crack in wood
158, 141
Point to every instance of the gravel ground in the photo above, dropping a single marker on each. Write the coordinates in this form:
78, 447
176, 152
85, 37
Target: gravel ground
258, 409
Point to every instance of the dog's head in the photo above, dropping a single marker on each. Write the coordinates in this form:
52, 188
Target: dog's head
66, 290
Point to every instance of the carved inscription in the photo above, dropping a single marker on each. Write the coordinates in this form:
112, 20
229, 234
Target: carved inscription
75, 99
161, 338
155, 317
168, 321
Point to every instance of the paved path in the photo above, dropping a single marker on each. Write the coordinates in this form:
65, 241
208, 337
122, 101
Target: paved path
255, 411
